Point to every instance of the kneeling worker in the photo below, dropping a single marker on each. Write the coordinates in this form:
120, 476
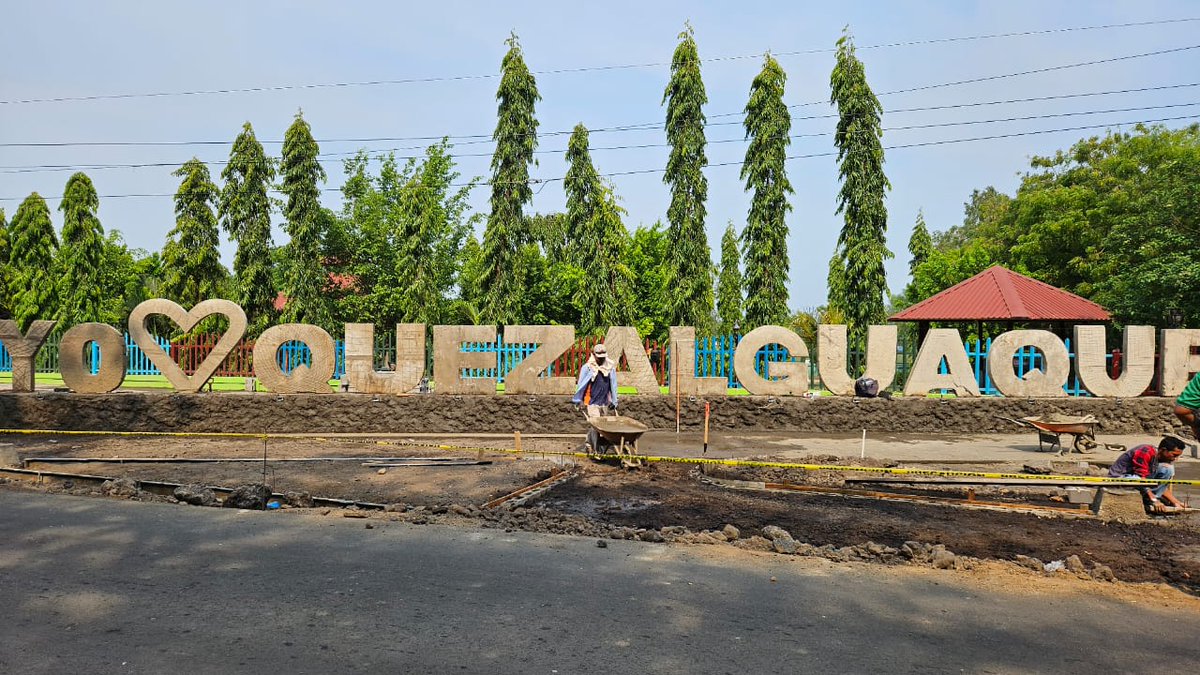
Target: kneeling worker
1147, 461
596, 389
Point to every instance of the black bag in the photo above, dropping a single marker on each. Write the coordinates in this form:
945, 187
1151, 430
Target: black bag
866, 387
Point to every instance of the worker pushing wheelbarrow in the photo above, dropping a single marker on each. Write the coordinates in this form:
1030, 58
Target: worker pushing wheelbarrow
596, 391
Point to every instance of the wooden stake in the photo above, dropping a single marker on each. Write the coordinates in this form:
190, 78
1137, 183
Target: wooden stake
707, 410
517, 440
675, 386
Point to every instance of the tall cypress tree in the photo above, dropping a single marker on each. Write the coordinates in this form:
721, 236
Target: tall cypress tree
690, 270
582, 185
605, 293
81, 255
768, 123
305, 277
5, 253
31, 283
861, 247
245, 212
191, 263
506, 232
920, 247
729, 283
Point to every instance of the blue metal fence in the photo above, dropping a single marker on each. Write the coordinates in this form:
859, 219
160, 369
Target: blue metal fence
714, 358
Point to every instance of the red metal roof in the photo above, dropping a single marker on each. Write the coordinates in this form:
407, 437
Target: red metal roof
998, 293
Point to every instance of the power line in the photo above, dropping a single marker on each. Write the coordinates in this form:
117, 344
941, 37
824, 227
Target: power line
648, 126
921, 144
379, 154
582, 69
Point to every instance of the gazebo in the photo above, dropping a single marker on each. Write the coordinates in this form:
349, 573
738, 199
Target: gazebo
1000, 295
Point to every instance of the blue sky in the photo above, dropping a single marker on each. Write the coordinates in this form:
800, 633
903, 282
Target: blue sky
56, 49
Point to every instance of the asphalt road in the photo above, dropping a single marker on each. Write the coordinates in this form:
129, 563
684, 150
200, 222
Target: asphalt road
106, 586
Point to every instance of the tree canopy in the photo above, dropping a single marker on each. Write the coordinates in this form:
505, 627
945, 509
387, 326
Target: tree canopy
31, 283
81, 256
1113, 219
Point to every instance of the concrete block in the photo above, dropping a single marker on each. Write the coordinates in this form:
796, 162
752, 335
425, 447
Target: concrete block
942, 343
1137, 363
793, 375
23, 349
360, 359
1079, 495
552, 341
683, 367
72, 363
449, 360
187, 320
625, 341
831, 357
1037, 383
1119, 503
304, 379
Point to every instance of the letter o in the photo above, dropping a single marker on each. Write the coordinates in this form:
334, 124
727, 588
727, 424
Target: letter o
304, 379
1036, 383
72, 364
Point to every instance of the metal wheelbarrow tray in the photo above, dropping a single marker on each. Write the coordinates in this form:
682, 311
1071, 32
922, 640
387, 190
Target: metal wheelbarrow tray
1051, 427
623, 433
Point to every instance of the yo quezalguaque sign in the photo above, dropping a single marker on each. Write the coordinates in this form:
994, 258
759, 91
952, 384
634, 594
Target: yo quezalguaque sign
789, 377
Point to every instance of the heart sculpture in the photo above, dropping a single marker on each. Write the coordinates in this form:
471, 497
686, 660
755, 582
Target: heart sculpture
187, 320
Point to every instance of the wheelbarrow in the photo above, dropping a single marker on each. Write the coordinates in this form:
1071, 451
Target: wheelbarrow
1051, 427
622, 433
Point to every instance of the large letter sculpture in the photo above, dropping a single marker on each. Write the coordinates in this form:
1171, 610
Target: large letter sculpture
1177, 360
1044, 382
942, 343
831, 357
304, 379
23, 349
72, 364
625, 341
523, 377
186, 320
683, 367
449, 360
360, 359
792, 375
1137, 367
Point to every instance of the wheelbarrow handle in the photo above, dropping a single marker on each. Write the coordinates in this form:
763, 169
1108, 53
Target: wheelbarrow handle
1021, 423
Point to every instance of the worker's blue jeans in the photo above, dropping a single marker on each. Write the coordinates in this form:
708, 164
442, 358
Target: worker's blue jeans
1163, 472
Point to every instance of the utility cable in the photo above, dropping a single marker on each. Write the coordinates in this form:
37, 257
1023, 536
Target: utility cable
582, 69
632, 172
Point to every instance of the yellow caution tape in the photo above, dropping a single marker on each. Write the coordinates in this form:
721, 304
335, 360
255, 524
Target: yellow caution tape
744, 463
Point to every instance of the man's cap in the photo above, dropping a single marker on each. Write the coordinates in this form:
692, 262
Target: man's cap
599, 350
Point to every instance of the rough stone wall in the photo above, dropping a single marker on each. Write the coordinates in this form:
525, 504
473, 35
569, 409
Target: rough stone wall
313, 413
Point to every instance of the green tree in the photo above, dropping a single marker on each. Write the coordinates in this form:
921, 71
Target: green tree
403, 230
5, 254
920, 248
647, 257
857, 278
31, 265
606, 284
729, 284
764, 240
507, 233
582, 185
305, 277
244, 209
81, 255
191, 265
690, 271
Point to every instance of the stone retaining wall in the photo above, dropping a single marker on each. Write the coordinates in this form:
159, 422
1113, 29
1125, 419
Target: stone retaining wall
263, 413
